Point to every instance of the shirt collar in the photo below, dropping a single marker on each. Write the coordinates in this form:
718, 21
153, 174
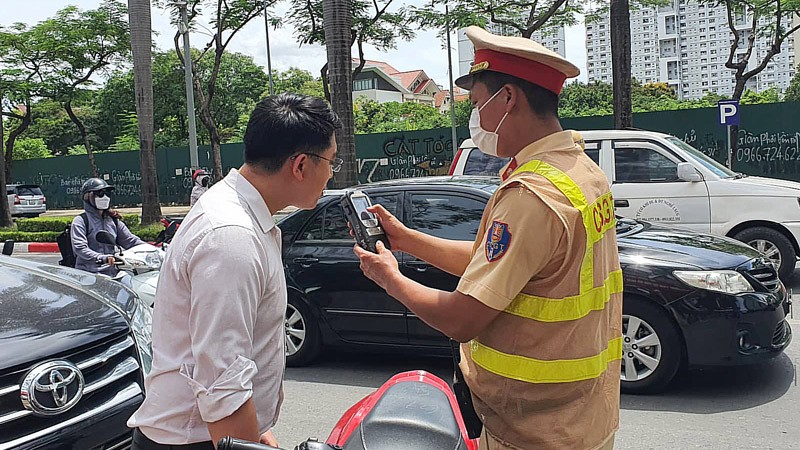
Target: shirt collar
558, 141
252, 198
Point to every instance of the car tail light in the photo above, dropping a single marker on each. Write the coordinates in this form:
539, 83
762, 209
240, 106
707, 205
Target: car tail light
17, 200
44, 200
455, 161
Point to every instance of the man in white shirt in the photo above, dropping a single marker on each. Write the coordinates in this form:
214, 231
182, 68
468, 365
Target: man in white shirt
218, 326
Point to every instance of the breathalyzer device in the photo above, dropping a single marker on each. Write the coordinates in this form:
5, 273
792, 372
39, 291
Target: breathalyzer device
365, 225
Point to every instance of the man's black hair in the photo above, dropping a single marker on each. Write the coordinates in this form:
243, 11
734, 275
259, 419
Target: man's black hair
542, 102
284, 125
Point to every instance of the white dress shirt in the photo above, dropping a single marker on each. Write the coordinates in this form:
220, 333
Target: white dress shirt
218, 322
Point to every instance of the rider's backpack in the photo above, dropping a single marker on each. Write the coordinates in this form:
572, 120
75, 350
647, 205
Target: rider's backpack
64, 241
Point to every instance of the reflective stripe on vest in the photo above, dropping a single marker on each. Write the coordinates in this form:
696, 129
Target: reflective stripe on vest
598, 218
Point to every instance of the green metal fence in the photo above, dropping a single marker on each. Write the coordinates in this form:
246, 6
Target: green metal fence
768, 145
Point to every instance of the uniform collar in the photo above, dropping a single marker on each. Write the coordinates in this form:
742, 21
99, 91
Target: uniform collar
252, 198
561, 140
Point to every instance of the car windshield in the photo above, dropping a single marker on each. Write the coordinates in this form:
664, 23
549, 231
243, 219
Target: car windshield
710, 164
479, 163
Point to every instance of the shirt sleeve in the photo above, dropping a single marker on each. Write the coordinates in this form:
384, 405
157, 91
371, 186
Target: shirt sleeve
125, 238
80, 242
226, 273
520, 238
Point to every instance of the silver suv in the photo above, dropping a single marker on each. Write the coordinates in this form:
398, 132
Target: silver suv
26, 200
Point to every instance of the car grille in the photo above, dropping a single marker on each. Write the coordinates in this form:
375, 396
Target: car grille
779, 336
765, 274
111, 375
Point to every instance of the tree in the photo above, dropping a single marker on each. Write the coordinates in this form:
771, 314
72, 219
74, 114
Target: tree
621, 62
79, 45
31, 148
373, 117
516, 17
20, 71
792, 93
141, 47
227, 19
463, 111
371, 23
299, 81
338, 41
5, 210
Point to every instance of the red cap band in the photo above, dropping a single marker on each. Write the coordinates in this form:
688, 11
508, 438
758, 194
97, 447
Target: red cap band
526, 69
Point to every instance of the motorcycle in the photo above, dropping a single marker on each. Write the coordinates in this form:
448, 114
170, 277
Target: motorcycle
138, 266
171, 225
411, 411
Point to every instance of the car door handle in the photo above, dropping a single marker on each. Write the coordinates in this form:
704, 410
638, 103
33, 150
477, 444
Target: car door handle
306, 262
621, 204
419, 266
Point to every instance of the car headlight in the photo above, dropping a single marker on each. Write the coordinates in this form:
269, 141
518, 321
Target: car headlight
142, 326
725, 281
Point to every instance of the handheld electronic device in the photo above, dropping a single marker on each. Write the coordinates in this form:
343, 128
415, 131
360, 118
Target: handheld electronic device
365, 225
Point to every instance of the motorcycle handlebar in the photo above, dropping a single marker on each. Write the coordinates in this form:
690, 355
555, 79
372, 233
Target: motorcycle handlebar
229, 443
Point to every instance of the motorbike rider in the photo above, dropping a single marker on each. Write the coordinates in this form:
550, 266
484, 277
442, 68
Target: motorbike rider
202, 180
91, 255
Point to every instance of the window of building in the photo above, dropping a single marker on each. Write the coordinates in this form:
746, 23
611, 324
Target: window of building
364, 85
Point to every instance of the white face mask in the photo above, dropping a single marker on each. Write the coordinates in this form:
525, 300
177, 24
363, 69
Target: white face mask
485, 140
102, 202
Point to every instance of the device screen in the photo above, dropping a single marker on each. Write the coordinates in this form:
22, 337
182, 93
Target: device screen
361, 204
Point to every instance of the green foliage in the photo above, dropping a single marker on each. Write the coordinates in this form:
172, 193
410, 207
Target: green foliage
792, 93
297, 80
463, 111
58, 224
19, 236
373, 117
129, 137
31, 148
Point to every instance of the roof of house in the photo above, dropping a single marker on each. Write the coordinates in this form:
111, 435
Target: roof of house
386, 67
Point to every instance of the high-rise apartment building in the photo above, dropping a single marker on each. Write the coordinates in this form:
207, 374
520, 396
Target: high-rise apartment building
552, 38
686, 45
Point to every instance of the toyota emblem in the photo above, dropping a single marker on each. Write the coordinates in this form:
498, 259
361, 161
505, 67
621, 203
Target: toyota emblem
52, 388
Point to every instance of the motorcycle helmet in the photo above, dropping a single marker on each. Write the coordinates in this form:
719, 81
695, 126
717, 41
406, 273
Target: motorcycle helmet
201, 177
94, 185
98, 186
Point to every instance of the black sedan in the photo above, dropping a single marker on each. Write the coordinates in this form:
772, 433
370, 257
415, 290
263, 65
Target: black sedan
689, 299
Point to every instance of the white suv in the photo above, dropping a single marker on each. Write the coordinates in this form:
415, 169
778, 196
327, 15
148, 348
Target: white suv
659, 178
26, 200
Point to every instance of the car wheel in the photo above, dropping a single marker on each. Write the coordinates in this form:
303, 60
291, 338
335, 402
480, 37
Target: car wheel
651, 347
774, 245
302, 334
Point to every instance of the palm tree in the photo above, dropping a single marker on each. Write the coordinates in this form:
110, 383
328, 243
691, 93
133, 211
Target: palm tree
621, 62
141, 46
337, 21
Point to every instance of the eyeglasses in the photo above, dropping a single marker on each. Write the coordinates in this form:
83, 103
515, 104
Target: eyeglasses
101, 194
336, 163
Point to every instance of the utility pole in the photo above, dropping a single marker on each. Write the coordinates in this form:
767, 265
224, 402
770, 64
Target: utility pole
183, 28
269, 60
452, 92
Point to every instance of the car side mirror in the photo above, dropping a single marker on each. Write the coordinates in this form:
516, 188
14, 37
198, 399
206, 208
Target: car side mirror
687, 172
104, 237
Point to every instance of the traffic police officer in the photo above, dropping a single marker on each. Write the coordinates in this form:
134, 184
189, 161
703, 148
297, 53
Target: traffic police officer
539, 305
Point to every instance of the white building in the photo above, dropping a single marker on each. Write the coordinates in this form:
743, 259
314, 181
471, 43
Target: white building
552, 38
686, 45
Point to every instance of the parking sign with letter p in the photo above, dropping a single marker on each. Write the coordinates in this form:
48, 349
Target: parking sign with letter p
728, 112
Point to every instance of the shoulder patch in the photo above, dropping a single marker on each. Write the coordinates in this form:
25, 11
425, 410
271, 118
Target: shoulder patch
498, 240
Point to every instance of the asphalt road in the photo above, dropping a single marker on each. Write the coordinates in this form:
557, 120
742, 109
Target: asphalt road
755, 407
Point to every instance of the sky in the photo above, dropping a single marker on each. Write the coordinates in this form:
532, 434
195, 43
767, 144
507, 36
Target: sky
425, 52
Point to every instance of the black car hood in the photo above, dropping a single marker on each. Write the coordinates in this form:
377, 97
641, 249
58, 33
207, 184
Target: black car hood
682, 248
48, 311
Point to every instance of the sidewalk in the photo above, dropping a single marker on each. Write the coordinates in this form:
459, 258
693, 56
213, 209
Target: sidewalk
52, 247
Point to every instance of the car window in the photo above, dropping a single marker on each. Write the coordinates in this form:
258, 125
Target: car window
29, 190
643, 165
331, 224
479, 163
446, 216
9, 191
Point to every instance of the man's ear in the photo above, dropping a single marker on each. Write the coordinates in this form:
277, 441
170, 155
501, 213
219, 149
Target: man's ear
298, 165
511, 95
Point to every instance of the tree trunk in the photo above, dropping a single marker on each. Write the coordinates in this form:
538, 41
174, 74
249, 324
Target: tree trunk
12, 138
621, 62
213, 136
337, 21
84, 136
141, 46
5, 210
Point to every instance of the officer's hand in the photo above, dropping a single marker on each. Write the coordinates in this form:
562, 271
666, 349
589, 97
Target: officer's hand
379, 267
111, 260
397, 233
